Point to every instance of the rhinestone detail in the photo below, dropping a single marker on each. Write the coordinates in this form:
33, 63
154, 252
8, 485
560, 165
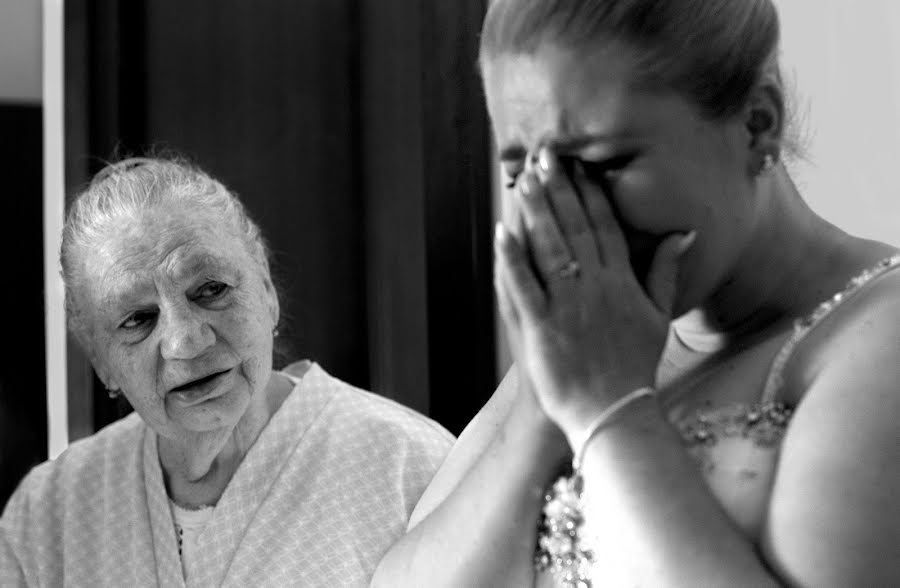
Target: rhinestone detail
562, 551
804, 325
763, 423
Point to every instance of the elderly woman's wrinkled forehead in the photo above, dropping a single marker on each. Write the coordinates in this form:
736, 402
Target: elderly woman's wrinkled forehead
175, 245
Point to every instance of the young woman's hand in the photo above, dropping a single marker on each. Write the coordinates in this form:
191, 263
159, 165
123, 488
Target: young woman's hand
580, 323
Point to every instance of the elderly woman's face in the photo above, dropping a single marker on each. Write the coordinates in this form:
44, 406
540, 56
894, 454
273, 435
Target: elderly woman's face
181, 319
664, 167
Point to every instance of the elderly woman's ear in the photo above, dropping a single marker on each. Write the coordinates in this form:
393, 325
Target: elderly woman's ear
273, 304
109, 382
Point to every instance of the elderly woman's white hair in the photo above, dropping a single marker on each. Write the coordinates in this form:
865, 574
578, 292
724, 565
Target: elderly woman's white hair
132, 187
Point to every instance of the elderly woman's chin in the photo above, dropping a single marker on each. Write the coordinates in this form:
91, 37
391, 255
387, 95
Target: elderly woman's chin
209, 405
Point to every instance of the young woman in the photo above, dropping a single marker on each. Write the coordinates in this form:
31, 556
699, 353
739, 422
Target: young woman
722, 361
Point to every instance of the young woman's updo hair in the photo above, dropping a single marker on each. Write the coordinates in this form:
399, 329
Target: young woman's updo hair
713, 52
127, 190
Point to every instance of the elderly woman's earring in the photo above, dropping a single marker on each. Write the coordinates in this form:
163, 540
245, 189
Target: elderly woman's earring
275, 332
768, 164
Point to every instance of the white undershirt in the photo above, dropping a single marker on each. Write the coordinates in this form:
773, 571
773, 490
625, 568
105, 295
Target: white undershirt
188, 526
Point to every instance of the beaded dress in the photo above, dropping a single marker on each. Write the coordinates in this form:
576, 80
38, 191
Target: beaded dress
750, 434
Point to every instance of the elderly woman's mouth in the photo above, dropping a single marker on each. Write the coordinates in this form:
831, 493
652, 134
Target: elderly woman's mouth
202, 389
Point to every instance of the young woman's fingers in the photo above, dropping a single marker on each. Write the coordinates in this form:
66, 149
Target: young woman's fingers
566, 206
613, 250
511, 213
514, 271
508, 315
504, 303
547, 243
662, 279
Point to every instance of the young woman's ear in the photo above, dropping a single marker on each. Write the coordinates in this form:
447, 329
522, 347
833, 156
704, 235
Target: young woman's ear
764, 120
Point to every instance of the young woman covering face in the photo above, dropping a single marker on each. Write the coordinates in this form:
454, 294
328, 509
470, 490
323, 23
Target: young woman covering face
722, 361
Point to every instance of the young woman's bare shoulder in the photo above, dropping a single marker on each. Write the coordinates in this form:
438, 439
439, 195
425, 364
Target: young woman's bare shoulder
834, 519
473, 441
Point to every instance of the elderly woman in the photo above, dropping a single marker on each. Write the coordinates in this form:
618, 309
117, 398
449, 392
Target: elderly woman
722, 362
228, 473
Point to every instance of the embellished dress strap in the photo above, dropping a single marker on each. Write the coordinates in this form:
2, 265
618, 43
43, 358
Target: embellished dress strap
803, 326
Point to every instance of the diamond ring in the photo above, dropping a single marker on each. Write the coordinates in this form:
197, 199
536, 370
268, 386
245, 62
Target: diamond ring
570, 270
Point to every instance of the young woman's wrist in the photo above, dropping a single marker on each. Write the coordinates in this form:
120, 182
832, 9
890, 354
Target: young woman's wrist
545, 437
628, 410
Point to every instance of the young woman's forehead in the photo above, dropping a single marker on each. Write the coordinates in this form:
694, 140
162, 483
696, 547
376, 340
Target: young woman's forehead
533, 101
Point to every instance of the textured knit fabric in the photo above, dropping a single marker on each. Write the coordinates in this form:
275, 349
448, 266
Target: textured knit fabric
320, 497
189, 525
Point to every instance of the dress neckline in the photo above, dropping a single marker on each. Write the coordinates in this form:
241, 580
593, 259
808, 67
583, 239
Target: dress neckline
804, 325
765, 421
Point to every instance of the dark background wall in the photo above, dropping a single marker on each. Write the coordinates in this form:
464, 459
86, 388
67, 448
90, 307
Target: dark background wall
23, 392
354, 131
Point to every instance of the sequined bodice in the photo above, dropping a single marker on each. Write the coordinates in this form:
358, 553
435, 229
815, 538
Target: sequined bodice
735, 445
764, 423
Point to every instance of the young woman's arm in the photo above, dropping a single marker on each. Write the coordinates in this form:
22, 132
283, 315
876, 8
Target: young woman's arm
834, 517
476, 523
658, 516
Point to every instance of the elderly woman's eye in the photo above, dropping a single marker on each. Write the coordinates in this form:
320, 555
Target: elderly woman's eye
213, 290
138, 320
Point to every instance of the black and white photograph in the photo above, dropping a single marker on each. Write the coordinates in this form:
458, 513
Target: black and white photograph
450, 293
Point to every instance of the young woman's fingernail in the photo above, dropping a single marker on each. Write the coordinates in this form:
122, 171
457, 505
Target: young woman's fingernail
527, 185
686, 242
545, 161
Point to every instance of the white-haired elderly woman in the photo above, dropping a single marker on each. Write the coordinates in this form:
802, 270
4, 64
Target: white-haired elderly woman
228, 473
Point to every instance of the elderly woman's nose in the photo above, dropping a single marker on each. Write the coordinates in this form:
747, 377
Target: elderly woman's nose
185, 335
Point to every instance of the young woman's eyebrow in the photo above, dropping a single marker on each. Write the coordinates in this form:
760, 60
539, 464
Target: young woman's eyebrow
564, 145
575, 143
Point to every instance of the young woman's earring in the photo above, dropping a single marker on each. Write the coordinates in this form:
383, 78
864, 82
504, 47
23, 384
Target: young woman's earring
113, 393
